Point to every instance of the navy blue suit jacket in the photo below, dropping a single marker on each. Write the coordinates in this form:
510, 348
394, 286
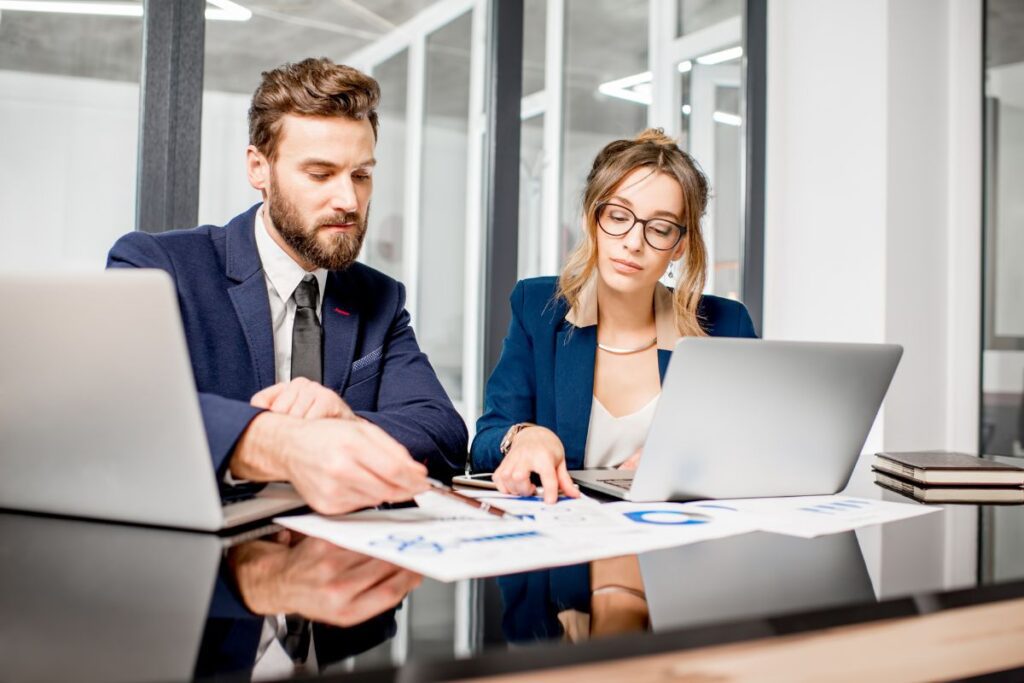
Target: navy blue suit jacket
546, 371
371, 357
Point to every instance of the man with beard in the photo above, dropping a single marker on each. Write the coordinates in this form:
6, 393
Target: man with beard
307, 368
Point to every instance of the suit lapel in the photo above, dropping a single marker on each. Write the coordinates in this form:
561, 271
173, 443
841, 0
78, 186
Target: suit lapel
249, 296
575, 352
663, 358
340, 318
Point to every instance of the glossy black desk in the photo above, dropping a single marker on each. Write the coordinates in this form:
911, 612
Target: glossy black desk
84, 600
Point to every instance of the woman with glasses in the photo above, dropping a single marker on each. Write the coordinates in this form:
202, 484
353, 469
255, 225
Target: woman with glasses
581, 367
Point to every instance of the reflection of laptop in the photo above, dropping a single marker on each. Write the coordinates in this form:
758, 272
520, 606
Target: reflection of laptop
753, 575
741, 418
99, 415
106, 602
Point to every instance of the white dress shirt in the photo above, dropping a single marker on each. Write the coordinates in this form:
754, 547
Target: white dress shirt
611, 440
283, 276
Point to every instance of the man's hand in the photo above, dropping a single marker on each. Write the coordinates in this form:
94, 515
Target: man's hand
336, 465
318, 580
535, 449
302, 398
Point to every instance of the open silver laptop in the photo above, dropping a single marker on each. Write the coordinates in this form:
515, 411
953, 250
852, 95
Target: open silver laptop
99, 415
742, 418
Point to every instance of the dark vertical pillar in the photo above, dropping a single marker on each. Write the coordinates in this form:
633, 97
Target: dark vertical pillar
167, 187
505, 92
756, 55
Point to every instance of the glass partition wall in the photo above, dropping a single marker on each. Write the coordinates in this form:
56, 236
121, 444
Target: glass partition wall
1002, 362
69, 117
595, 71
429, 220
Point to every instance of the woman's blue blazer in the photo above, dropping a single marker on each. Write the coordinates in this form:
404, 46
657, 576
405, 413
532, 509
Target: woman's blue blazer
546, 371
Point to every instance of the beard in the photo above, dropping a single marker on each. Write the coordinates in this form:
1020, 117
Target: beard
334, 251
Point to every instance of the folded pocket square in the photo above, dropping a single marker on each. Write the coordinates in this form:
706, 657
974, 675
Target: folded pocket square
369, 359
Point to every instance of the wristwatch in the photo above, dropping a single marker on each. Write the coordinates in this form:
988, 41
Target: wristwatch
506, 442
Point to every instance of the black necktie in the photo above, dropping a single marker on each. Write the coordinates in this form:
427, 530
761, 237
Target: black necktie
297, 637
307, 361
307, 341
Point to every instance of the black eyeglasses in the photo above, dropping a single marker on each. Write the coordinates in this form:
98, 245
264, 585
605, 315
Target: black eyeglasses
617, 221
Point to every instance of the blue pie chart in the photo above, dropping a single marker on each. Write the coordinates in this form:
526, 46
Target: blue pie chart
663, 517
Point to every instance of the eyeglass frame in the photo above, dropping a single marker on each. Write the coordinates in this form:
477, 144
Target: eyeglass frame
643, 223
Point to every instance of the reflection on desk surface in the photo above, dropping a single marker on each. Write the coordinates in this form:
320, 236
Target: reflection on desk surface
754, 575
89, 601
108, 602
93, 601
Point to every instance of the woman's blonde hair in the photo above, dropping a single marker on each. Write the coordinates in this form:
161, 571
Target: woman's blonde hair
655, 150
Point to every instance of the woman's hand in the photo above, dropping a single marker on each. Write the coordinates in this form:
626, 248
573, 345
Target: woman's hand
632, 461
535, 449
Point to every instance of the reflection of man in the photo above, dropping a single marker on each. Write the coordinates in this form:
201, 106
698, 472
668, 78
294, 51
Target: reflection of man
350, 597
306, 366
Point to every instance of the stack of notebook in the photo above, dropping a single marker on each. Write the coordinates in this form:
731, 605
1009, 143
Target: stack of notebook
941, 477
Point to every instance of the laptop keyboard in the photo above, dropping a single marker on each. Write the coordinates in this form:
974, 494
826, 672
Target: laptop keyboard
619, 483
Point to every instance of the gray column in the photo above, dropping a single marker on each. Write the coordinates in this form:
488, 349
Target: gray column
167, 189
505, 92
756, 56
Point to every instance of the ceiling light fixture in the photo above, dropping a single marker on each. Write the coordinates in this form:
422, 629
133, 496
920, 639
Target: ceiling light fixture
222, 10
727, 119
685, 67
635, 88
721, 56
226, 10
110, 9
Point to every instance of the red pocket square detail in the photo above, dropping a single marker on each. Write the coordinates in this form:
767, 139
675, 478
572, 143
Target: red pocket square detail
338, 310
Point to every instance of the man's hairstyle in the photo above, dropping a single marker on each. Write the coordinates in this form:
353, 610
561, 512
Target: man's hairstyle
312, 87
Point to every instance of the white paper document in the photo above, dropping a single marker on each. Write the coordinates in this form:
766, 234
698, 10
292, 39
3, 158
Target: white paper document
448, 540
448, 545
810, 516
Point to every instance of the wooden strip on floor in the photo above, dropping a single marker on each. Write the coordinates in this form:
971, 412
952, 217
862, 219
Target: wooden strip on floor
956, 643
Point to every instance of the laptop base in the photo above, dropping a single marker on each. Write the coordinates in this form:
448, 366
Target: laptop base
608, 481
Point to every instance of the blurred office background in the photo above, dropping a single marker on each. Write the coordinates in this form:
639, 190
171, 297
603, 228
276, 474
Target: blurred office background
70, 108
865, 156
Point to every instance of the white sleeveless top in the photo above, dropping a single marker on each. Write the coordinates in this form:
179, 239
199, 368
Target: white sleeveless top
611, 440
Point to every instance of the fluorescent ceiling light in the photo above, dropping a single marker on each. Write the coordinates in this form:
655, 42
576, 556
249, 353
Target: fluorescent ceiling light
532, 105
226, 10
721, 56
112, 9
727, 119
222, 10
685, 66
635, 88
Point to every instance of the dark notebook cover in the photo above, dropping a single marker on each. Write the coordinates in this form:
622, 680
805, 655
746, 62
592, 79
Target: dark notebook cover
1012, 495
944, 468
942, 460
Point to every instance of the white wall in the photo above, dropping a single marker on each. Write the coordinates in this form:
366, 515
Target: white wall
67, 168
873, 217
224, 190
